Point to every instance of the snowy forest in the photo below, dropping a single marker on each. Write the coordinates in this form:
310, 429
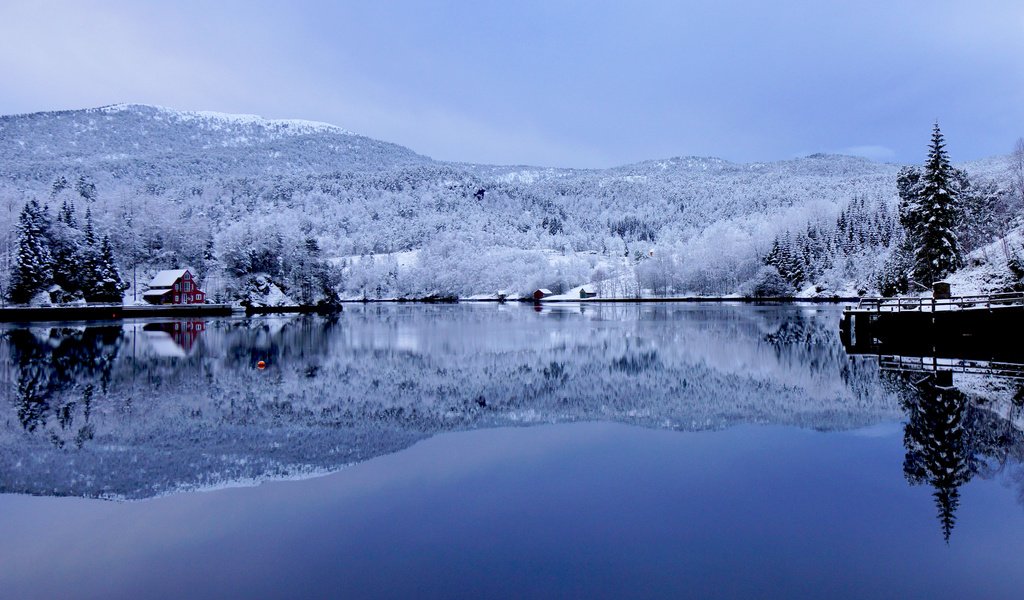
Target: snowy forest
95, 201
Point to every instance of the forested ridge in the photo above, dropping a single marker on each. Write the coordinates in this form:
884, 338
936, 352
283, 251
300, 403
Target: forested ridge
315, 212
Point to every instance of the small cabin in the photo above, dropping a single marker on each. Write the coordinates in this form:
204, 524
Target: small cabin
542, 293
174, 286
587, 292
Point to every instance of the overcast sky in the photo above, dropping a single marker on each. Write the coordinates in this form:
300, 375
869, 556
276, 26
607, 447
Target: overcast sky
558, 83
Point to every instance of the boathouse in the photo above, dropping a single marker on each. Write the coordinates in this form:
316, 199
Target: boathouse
174, 286
542, 293
587, 292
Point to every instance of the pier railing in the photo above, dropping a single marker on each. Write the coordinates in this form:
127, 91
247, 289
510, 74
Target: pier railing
928, 364
906, 304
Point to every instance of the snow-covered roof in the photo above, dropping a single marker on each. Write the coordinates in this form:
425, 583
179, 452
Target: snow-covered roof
166, 278
544, 291
155, 293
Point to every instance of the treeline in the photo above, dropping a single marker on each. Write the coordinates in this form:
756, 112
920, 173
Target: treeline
940, 217
805, 256
59, 257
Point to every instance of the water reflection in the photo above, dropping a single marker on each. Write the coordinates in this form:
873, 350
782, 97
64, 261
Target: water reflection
964, 419
144, 409
174, 338
152, 408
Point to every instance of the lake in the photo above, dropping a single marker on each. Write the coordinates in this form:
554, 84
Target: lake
485, 450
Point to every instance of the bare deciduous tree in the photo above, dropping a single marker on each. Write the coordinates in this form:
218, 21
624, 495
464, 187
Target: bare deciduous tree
1017, 168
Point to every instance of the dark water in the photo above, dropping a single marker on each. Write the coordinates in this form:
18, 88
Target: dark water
496, 451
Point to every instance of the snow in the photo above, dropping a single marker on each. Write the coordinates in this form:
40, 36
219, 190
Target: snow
202, 181
166, 278
986, 270
218, 120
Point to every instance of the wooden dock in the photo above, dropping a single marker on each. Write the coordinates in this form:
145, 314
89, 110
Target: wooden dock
986, 326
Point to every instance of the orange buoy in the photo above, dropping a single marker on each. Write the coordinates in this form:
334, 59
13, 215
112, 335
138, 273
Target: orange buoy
261, 365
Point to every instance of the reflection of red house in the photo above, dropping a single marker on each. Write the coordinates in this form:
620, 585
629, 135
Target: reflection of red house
175, 286
176, 338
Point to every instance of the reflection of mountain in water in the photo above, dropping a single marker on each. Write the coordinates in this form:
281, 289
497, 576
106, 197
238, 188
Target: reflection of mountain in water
104, 411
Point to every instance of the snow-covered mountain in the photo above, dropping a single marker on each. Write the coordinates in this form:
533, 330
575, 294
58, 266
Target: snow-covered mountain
140, 143
200, 187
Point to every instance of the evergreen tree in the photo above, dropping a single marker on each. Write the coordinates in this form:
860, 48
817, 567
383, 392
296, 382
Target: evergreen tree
86, 188
87, 258
931, 214
59, 185
90, 233
33, 272
67, 214
64, 241
108, 283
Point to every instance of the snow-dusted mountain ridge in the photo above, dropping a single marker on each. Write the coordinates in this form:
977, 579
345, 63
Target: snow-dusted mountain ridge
123, 139
201, 186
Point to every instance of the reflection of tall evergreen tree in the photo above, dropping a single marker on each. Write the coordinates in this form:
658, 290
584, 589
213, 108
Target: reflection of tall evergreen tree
936, 447
49, 374
86, 355
33, 406
33, 380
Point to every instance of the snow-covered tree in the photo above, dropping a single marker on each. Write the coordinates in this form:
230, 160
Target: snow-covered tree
86, 188
893, 277
65, 242
59, 185
87, 257
1017, 169
108, 285
931, 214
33, 271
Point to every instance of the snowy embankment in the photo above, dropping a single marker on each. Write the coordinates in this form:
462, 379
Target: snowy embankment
987, 269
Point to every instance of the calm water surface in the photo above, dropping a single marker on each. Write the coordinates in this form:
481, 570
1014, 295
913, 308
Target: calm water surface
501, 451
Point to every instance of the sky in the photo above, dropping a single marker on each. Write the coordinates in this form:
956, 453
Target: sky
550, 82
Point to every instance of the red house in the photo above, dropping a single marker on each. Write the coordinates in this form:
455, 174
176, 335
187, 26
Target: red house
176, 286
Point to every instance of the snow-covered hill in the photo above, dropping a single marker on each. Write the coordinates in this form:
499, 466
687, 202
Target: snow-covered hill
149, 144
194, 188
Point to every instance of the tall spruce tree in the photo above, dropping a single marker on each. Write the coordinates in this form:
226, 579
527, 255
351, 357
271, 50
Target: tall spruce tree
932, 216
88, 258
108, 285
34, 269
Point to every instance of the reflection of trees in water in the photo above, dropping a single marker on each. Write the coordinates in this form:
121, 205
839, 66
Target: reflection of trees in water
61, 373
936, 455
807, 339
949, 439
335, 392
58, 373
